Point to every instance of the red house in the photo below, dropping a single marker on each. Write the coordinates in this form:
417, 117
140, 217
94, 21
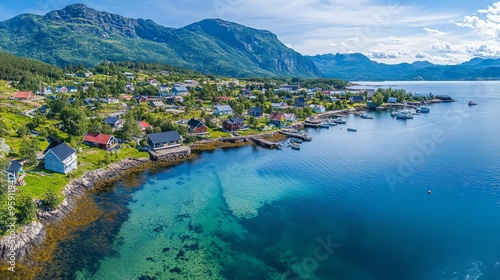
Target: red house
143, 125
102, 141
24, 95
197, 127
233, 124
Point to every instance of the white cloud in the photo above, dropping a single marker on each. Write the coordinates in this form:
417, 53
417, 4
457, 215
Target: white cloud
487, 26
469, 49
434, 31
385, 55
420, 55
394, 38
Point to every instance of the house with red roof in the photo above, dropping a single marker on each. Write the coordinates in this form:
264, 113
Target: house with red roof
102, 141
278, 119
24, 95
143, 125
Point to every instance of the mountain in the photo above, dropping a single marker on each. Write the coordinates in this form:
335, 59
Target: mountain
81, 35
357, 67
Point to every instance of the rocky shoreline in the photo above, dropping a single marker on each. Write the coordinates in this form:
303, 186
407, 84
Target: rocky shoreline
33, 234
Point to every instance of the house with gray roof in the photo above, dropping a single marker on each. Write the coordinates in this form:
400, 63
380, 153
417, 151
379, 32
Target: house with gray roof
61, 158
164, 140
223, 110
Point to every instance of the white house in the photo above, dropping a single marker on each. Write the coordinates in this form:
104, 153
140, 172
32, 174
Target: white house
392, 100
61, 158
278, 106
317, 108
223, 110
290, 117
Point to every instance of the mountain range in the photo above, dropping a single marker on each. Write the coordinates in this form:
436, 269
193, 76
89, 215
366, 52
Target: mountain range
358, 67
81, 35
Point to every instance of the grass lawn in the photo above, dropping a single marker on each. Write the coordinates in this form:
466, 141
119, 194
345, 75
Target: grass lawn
249, 131
217, 133
5, 88
40, 180
38, 184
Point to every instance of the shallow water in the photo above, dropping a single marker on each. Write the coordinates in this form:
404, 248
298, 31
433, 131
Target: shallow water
346, 206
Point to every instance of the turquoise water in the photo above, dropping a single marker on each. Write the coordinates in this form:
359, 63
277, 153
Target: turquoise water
346, 206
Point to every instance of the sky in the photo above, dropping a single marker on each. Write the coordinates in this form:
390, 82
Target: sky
390, 31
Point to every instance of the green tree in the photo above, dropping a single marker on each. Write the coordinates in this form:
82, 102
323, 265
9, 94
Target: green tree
50, 199
57, 105
75, 121
25, 208
106, 159
253, 122
4, 213
4, 130
130, 129
4, 184
378, 99
29, 149
22, 131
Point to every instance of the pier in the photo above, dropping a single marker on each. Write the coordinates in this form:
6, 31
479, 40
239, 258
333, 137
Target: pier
296, 135
265, 143
336, 113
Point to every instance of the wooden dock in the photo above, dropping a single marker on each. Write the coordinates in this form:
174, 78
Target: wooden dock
311, 124
336, 113
296, 135
265, 143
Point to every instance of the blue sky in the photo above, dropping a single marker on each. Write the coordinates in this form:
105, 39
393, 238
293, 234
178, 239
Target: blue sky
391, 31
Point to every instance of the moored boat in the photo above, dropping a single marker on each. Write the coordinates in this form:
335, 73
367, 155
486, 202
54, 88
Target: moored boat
339, 121
422, 109
294, 146
296, 140
471, 103
404, 115
366, 116
352, 129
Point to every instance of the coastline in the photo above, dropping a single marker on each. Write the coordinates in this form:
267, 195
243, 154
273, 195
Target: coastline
35, 233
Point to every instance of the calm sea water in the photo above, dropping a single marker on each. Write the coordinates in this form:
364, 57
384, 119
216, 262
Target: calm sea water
346, 206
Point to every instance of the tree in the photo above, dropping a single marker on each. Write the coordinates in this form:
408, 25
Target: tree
378, 99
130, 129
106, 159
50, 199
29, 149
75, 121
4, 130
253, 122
25, 208
22, 131
4, 184
57, 105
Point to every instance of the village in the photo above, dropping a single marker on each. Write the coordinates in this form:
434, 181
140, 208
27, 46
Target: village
89, 120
